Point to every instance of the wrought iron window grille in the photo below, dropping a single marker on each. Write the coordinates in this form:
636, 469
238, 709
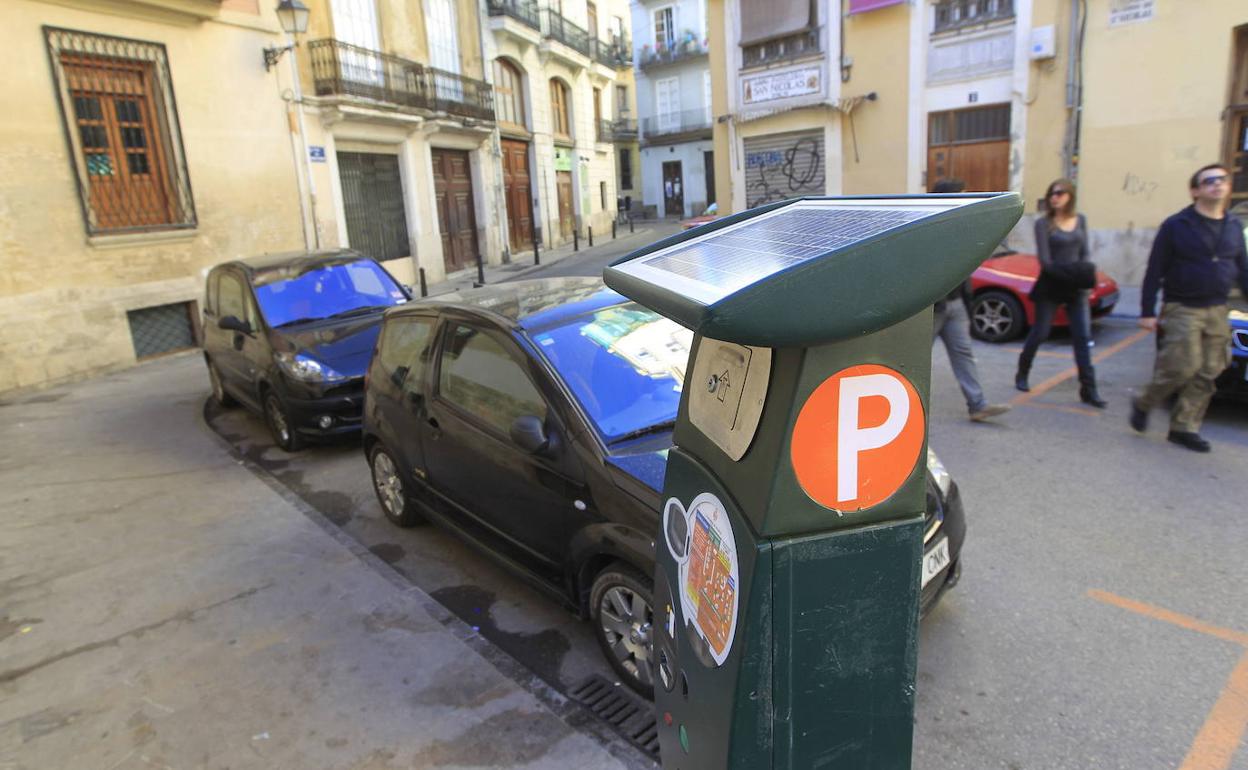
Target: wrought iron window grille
780, 49
956, 14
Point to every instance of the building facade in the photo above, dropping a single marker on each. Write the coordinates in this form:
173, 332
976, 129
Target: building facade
674, 98
893, 96
562, 79
143, 143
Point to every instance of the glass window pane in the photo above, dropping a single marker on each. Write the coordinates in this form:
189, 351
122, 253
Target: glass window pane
403, 352
230, 297
138, 163
100, 164
481, 377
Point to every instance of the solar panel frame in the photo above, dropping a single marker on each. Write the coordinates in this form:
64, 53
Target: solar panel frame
723, 250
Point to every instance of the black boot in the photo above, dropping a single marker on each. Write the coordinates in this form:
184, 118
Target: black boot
1087, 389
1020, 376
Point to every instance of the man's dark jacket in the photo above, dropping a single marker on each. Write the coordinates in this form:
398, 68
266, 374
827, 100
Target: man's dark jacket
1189, 268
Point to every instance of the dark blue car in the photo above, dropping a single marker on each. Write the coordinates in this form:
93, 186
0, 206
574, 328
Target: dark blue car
290, 336
534, 418
1234, 381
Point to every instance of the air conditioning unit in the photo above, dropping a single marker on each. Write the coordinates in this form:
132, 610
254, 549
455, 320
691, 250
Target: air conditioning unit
1043, 43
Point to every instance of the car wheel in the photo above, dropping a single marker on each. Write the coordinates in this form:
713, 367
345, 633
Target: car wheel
396, 504
280, 428
218, 389
622, 606
997, 316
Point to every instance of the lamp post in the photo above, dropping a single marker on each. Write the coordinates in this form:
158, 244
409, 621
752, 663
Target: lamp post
292, 15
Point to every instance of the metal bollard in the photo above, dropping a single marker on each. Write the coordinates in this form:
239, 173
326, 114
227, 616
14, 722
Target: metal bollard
613, 229
537, 251
630, 224
591, 236
424, 287
576, 239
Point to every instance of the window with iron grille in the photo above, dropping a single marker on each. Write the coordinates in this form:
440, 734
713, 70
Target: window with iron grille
161, 329
976, 124
626, 170
952, 14
121, 124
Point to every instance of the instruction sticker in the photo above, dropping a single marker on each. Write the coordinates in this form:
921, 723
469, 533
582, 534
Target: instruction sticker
700, 539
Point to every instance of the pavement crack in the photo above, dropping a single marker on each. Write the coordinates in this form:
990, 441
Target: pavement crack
14, 674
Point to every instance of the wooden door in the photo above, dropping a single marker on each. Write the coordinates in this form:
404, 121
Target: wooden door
516, 191
673, 190
983, 166
563, 184
457, 221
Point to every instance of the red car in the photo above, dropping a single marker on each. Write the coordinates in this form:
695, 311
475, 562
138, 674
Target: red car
1000, 308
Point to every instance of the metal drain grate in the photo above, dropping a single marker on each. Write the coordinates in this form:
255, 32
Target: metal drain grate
630, 715
161, 329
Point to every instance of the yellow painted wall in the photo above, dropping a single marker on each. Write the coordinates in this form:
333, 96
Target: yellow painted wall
1046, 106
1153, 97
879, 42
717, 45
64, 296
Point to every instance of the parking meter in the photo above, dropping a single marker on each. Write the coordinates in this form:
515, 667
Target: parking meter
787, 579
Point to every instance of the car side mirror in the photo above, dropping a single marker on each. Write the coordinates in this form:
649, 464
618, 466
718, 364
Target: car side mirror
231, 323
528, 433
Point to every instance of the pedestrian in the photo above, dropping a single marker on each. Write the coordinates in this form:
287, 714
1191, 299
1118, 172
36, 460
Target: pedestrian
952, 324
1195, 258
1066, 277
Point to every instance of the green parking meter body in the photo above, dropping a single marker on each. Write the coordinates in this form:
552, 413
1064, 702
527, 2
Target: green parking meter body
787, 580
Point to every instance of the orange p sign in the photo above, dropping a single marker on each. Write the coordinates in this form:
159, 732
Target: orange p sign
857, 437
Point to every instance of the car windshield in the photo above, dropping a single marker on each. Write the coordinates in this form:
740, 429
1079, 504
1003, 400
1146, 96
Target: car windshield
326, 291
625, 365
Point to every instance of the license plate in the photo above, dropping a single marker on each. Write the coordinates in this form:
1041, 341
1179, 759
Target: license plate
935, 561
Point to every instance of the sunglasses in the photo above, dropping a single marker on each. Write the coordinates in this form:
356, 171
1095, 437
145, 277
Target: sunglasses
1210, 181
1059, 192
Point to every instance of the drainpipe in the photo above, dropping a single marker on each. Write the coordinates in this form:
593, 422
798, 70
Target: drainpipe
303, 140
1074, 91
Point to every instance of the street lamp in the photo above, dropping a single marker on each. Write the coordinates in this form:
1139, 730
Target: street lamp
292, 15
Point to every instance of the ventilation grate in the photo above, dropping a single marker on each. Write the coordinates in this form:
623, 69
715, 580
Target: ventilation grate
628, 714
161, 329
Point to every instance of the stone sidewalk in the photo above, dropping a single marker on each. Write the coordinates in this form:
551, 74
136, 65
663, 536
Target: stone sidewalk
164, 605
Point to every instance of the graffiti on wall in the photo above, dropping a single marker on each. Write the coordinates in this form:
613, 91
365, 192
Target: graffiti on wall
775, 173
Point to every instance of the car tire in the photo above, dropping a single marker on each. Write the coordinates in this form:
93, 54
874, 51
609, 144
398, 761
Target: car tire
621, 604
392, 494
280, 428
218, 388
997, 316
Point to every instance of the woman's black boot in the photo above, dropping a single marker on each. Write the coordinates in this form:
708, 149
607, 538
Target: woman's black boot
1020, 376
1087, 389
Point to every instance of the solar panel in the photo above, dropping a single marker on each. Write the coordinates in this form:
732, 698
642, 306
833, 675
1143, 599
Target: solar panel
713, 266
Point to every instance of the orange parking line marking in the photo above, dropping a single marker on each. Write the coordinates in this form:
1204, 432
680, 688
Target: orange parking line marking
1175, 618
1219, 737
1060, 377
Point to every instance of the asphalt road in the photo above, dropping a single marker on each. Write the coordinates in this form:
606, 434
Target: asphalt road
1101, 620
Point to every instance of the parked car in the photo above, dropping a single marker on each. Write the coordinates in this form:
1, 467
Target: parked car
1000, 308
290, 336
710, 214
534, 418
1234, 381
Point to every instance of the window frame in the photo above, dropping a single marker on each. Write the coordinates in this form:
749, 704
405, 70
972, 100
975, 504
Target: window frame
164, 142
504, 67
561, 110
625, 156
669, 27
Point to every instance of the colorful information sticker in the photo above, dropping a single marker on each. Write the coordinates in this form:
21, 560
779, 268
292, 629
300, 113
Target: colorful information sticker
710, 579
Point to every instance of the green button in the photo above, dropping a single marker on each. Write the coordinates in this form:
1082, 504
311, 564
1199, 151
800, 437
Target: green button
684, 739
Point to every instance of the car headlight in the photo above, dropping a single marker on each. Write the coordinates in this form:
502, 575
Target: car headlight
939, 473
306, 368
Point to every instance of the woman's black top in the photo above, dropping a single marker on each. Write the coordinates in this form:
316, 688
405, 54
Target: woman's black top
1064, 264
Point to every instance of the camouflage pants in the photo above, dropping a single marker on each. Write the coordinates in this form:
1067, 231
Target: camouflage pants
1195, 349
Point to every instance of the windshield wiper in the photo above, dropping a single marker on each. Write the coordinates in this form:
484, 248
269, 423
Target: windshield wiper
359, 311
294, 321
646, 431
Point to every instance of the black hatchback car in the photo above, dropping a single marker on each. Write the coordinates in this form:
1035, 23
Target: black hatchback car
290, 336
535, 418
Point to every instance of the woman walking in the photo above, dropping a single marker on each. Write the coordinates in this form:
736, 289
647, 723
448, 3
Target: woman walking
1066, 276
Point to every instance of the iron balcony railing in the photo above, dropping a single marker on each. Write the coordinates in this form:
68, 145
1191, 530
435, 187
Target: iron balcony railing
624, 128
683, 122
523, 11
954, 14
779, 49
616, 53
342, 69
555, 26
662, 55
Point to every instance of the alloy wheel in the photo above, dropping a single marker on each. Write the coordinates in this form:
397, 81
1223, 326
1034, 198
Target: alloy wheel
388, 484
627, 620
993, 318
277, 420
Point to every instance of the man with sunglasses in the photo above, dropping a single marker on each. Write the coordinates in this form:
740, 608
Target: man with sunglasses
1197, 255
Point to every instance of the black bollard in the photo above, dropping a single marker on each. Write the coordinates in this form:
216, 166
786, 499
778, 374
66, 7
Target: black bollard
576, 239
537, 250
613, 229
480, 270
630, 224
424, 287
591, 236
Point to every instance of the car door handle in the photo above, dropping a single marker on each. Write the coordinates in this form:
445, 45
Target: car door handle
435, 433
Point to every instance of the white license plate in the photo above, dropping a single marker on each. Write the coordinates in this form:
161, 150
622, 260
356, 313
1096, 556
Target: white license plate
935, 561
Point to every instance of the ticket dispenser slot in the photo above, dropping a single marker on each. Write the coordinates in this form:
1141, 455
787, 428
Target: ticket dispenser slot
786, 585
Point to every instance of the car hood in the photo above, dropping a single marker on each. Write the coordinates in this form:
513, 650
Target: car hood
648, 467
345, 346
1027, 267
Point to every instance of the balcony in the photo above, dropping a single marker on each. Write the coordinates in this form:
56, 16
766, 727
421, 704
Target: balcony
342, 69
556, 27
624, 129
616, 54
956, 14
787, 48
688, 124
524, 11
663, 55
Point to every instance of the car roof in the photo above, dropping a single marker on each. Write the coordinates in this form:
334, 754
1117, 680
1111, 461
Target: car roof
294, 262
531, 305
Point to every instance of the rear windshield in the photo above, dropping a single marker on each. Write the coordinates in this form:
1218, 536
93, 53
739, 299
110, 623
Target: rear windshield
625, 365
326, 291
